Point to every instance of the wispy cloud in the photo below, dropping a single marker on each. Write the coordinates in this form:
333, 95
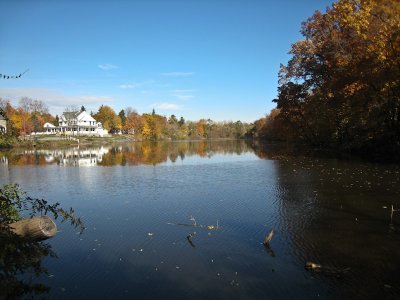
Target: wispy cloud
129, 86
144, 92
56, 100
134, 85
166, 106
183, 97
107, 67
182, 94
182, 91
177, 74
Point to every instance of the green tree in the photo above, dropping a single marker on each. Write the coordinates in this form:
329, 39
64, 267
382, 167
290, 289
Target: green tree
122, 117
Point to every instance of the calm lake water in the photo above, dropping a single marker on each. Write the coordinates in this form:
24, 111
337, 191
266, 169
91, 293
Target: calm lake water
133, 197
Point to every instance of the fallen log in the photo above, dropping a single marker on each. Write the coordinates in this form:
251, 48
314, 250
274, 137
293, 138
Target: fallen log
38, 228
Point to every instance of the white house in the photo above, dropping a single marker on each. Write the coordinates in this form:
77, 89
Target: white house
76, 123
80, 123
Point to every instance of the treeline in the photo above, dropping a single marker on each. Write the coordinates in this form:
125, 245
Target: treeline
28, 117
31, 115
152, 126
341, 87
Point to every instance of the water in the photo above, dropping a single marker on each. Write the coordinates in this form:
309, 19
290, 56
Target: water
132, 198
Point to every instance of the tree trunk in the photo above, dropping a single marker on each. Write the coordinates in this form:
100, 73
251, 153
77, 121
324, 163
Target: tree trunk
38, 228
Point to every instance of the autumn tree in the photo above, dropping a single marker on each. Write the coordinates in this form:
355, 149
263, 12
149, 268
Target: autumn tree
341, 87
172, 127
107, 116
201, 128
39, 115
133, 121
154, 126
22, 118
270, 127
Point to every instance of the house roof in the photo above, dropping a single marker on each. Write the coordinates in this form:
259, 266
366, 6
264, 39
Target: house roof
48, 125
71, 114
78, 115
83, 115
2, 117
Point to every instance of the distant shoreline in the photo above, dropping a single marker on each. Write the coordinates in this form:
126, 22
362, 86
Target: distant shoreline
44, 141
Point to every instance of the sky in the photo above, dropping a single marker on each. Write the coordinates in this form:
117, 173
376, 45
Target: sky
216, 59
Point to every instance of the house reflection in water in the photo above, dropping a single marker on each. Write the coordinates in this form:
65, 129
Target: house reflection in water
75, 157
3, 161
138, 153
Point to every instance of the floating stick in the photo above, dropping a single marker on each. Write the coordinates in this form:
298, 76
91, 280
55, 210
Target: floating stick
269, 237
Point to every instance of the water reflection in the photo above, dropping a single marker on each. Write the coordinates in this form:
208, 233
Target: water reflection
124, 154
77, 157
333, 212
21, 262
336, 213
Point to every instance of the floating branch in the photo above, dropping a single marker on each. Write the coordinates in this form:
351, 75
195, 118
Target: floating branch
4, 76
209, 227
269, 237
266, 242
189, 238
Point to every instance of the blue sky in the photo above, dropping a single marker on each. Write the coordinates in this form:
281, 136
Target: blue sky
197, 59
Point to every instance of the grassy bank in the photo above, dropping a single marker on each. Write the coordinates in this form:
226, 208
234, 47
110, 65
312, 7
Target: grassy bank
7, 142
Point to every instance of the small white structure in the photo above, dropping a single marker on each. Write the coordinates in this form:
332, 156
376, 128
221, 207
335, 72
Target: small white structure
50, 128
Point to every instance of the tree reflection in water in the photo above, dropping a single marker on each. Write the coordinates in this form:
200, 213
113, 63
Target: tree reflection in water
20, 257
148, 153
21, 263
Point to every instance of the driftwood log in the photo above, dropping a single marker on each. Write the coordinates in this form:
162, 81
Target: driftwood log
269, 237
38, 228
